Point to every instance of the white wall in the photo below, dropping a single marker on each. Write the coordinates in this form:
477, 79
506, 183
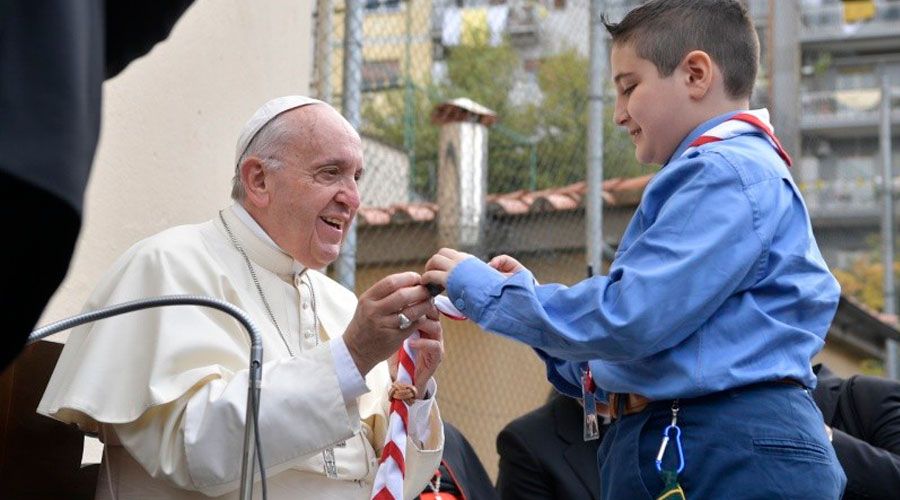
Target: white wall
170, 122
386, 180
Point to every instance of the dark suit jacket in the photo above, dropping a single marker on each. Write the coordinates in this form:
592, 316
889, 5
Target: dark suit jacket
544, 456
461, 466
864, 413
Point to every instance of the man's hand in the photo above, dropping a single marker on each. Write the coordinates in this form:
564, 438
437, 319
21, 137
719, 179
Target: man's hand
441, 264
429, 349
374, 333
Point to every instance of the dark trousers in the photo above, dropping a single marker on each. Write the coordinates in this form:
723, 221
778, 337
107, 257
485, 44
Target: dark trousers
764, 441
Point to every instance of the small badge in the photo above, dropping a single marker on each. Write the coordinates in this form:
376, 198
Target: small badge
591, 423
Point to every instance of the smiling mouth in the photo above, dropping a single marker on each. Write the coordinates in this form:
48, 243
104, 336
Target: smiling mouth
333, 222
634, 132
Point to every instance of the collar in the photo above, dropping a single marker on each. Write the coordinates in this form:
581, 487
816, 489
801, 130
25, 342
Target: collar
697, 132
260, 247
254, 226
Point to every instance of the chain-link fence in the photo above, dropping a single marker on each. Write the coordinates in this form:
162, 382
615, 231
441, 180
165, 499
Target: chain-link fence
527, 62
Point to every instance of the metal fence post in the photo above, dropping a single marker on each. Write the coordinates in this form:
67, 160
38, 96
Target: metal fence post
345, 266
887, 220
595, 139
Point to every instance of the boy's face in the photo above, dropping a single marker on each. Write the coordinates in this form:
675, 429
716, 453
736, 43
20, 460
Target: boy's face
654, 110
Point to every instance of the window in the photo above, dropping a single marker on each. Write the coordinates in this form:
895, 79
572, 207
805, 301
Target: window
382, 5
380, 75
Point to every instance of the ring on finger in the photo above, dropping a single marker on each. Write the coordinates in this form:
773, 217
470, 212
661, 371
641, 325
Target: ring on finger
404, 321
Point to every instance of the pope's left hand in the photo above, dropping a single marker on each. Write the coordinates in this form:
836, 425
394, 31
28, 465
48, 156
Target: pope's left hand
429, 349
441, 264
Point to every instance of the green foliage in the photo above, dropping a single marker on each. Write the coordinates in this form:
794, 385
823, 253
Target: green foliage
563, 117
536, 145
872, 367
482, 73
864, 279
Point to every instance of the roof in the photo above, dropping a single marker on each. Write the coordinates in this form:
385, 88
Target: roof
864, 323
463, 109
616, 193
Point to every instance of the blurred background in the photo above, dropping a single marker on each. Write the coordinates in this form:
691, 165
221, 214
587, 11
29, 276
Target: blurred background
475, 116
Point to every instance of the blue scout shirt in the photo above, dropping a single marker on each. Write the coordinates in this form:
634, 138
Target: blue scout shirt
717, 283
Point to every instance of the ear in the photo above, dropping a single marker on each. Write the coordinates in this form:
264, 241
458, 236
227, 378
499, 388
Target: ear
256, 182
697, 68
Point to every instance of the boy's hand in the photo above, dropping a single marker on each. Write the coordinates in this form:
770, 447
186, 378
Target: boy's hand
441, 264
506, 265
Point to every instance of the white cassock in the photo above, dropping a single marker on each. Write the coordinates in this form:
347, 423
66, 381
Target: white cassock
166, 388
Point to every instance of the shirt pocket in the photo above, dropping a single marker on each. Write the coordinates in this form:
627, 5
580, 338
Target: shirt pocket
355, 460
791, 449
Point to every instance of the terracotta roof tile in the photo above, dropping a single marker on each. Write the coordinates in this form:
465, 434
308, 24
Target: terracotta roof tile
616, 193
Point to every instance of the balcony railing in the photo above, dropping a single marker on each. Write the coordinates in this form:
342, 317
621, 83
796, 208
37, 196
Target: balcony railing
841, 197
615, 11
521, 21
831, 19
851, 106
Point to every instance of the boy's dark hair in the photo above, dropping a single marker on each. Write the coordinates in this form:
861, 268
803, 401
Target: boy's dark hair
664, 31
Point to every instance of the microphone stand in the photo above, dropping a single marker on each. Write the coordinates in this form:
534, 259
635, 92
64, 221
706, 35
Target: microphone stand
251, 428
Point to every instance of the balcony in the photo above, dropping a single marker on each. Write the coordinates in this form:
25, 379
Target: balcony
852, 204
846, 113
828, 24
615, 10
517, 20
842, 199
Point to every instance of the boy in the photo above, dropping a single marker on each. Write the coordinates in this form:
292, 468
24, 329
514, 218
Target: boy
718, 297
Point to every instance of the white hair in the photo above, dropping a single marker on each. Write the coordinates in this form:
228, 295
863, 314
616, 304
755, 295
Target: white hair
265, 145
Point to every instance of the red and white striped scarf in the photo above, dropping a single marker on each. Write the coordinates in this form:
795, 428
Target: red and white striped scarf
392, 466
745, 122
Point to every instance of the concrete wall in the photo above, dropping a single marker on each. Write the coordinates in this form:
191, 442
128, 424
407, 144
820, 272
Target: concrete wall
170, 123
386, 179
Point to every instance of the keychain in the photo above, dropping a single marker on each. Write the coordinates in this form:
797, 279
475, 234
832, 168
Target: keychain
591, 424
672, 490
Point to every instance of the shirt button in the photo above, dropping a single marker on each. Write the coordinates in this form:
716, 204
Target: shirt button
460, 304
308, 334
305, 305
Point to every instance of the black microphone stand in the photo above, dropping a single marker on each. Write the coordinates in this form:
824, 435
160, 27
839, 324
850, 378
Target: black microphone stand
251, 427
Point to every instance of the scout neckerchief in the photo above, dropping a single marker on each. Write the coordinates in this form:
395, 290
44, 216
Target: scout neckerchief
753, 121
392, 466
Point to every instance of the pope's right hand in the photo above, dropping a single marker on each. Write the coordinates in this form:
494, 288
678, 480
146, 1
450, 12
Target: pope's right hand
375, 332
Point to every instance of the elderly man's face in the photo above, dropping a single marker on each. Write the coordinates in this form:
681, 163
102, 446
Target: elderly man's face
314, 197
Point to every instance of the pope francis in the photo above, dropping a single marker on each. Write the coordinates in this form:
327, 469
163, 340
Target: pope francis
165, 388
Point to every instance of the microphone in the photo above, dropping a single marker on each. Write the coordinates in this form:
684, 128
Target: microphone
252, 449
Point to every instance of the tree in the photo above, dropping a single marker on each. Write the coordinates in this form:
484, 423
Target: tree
562, 119
536, 145
864, 278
